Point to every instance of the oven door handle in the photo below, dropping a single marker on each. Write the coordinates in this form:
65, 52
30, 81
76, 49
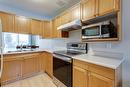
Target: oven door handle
64, 58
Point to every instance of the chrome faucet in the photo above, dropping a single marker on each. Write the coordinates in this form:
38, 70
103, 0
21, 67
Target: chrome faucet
21, 47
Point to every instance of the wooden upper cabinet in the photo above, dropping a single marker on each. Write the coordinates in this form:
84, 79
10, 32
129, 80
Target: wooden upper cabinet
7, 22
88, 9
36, 27
107, 6
66, 17
75, 12
70, 15
22, 25
54, 29
96, 80
59, 21
58, 33
80, 74
47, 29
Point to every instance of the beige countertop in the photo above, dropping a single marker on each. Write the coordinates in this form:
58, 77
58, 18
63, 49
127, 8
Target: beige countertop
113, 61
23, 52
38, 50
109, 60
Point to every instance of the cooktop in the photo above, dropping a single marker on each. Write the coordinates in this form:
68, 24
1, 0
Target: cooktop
68, 53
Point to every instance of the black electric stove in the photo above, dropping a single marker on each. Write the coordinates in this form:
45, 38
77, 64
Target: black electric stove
62, 63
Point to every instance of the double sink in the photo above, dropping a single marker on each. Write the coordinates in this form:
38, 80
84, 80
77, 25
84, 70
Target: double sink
17, 51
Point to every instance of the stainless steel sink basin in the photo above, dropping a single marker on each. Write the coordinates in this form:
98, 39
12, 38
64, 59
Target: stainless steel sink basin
19, 51
14, 51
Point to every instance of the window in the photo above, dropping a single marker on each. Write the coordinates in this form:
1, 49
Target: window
24, 39
11, 40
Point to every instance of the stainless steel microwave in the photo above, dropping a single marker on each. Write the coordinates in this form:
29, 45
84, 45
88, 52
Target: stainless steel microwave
99, 30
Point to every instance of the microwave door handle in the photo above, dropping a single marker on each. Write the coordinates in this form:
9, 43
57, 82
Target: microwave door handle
100, 30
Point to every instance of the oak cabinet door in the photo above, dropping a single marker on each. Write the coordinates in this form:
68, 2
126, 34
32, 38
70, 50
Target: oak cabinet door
36, 27
75, 12
7, 22
49, 64
11, 70
66, 17
57, 33
54, 29
47, 29
88, 9
96, 80
80, 77
22, 25
107, 6
41, 62
29, 66
58, 21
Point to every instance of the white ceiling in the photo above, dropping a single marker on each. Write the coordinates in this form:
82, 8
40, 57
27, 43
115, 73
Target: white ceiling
40, 7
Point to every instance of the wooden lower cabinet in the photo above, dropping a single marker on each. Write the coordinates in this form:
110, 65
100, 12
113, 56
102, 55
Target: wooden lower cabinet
96, 80
11, 70
90, 75
29, 66
41, 60
49, 63
80, 77
20, 66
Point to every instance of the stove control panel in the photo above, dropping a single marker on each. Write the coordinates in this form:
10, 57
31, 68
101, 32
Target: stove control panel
77, 46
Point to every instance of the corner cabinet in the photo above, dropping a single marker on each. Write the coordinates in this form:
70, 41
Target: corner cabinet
90, 75
48, 63
7, 22
46, 29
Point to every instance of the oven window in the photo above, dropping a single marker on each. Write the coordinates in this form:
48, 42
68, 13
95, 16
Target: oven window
93, 31
62, 70
74, 45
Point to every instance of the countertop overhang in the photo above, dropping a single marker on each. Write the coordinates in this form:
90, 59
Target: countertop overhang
102, 60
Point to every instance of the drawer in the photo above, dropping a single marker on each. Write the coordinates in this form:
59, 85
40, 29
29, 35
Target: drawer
104, 71
80, 64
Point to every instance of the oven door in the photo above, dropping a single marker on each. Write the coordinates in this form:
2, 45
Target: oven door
62, 71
